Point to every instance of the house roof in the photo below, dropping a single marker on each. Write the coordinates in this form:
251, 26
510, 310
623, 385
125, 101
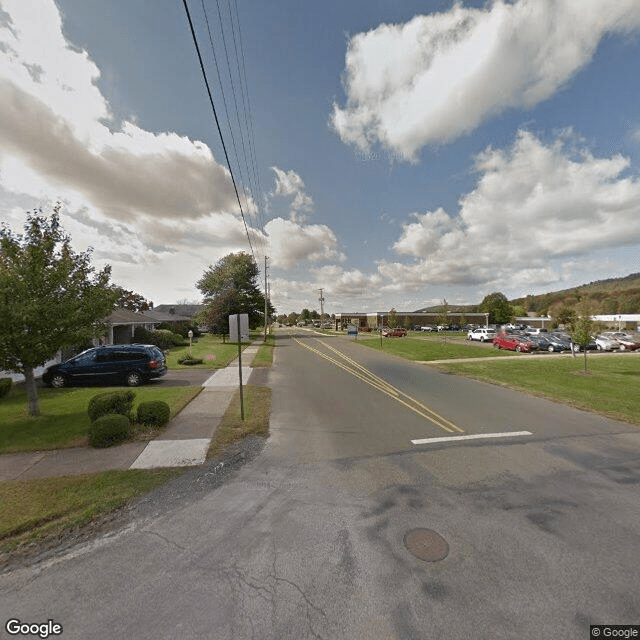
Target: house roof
124, 316
163, 316
188, 310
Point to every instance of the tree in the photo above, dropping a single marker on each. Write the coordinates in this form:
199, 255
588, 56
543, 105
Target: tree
305, 316
392, 320
50, 297
130, 300
443, 316
567, 316
498, 308
229, 287
518, 311
582, 329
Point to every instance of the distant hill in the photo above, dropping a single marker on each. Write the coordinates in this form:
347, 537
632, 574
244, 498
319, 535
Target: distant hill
614, 295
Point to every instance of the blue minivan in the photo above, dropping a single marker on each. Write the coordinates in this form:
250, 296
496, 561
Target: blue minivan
130, 364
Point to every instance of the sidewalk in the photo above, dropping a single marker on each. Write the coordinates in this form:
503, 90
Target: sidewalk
183, 443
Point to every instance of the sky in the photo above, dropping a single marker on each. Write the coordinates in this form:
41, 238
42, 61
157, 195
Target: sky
392, 153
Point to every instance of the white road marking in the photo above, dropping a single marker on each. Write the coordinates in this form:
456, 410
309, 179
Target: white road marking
475, 436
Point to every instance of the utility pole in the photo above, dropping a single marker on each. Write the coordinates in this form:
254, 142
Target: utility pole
321, 307
266, 299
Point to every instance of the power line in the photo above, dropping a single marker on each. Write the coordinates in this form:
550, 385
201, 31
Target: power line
215, 115
250, 134
233, 89
226, 108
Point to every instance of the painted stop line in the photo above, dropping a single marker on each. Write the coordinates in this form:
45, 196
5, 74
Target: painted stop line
475, 436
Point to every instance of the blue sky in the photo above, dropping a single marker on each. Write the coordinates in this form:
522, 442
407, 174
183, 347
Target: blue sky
399, 152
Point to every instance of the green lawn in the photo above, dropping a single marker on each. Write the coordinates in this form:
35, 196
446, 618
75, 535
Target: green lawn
214, 353
610, 387
257, 409
264, 357
44, 507
64, 421
435, 348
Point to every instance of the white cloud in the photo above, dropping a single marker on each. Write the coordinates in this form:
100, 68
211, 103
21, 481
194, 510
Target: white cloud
289, 183
290, 243
55, 143
148, 202
534, 206
439, 76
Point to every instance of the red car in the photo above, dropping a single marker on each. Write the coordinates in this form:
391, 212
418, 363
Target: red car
395, 333
511, 342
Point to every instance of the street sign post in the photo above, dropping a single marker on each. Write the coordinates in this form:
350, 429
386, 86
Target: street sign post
239, 331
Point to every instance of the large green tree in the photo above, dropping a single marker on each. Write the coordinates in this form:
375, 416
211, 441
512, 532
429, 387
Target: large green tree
229, 287
498, 308
50, 297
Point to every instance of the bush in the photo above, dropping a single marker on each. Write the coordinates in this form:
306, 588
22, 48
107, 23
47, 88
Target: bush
155, 413
142, 336
5, 386
109, 430
162, 338
110, 402
186, 360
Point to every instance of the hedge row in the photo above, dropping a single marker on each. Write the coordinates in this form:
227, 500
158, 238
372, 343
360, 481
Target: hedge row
162, 338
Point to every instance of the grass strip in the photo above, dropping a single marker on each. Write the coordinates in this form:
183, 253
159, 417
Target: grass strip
426, 350
43, 508
264, 357
64, 421
609, 388
257, 408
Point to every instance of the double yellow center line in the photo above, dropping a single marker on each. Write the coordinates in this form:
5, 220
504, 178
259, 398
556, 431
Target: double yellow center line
362, 373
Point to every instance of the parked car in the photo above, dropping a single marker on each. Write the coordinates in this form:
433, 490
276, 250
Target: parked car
535, 331
483, 334
512, 342
605, 343
130, 364
428, 328
626, 341
591, 346
558, 342
395, 333
538, 343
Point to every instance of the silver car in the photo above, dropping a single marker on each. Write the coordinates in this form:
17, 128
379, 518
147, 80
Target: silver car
606, 343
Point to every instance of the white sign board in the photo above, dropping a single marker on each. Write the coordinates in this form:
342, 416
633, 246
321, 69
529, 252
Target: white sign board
244, 328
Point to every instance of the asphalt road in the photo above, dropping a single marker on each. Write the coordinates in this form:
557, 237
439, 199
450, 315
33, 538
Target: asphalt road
310, 538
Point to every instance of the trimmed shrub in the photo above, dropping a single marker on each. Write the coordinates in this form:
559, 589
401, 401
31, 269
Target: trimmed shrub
162, 338
155, 413
142, 336
109, 430
5, 386
118, 402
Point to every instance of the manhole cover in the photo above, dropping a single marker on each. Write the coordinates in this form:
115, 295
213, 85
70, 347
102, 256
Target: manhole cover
426, 544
